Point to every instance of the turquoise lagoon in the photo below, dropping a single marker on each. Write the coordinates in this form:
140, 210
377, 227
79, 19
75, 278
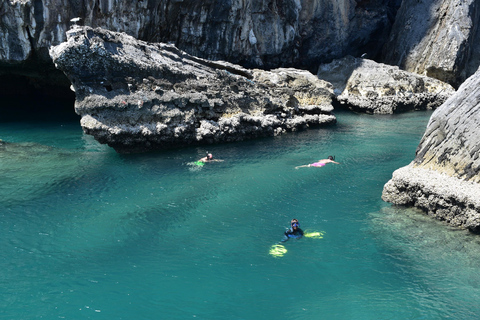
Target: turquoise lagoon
90, 234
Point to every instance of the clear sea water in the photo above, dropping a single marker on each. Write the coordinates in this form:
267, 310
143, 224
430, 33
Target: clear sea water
90, 234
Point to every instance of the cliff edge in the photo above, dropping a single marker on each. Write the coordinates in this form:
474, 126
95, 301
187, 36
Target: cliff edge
444, 178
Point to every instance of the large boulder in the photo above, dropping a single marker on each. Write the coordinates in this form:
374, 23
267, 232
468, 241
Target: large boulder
444, 178
366, 86
137, 96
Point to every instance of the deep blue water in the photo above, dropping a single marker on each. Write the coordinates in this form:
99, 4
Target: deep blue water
90, 234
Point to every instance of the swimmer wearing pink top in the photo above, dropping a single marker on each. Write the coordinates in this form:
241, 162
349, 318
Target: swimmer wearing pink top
320, 163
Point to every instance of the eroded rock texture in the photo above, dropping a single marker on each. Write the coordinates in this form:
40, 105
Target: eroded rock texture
437, 38
366, 86
137, 96
444, 178
253, 32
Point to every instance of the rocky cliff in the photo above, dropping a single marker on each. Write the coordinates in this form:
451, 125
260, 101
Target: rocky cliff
437, 38
254, 33
138, 96
444, 178
259, 33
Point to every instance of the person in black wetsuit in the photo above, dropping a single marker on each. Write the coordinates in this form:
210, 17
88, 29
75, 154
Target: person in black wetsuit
294, 231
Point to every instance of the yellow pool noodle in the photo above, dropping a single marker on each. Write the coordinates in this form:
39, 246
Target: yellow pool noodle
314, 235
277, 250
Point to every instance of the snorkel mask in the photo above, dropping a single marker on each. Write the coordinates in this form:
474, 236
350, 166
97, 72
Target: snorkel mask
295, 224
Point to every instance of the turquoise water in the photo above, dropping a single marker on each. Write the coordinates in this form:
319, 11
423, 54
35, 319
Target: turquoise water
90, 234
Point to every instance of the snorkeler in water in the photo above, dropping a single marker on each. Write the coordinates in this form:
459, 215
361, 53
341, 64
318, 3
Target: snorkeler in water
320, 163
293, 232
208, 158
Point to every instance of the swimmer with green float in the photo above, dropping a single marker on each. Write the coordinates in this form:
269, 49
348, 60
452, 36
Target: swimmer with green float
320, 163
278, 250
293, 232
207, 158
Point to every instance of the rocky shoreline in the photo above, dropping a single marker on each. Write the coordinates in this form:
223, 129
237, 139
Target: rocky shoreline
366, 86
441, 196
137, 96
444, 178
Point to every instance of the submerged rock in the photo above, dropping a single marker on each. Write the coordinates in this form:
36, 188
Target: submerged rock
49, 167
444, 178
137, 96
367, 86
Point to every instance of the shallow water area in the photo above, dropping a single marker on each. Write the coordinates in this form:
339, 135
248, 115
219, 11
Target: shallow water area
91, 234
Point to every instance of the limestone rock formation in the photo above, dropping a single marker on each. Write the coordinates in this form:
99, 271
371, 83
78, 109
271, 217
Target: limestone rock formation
440, 39
253, 33
257, 33
366, 86
436, 38
137, 96
444, 178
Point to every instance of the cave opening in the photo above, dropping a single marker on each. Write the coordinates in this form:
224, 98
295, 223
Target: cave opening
23, 97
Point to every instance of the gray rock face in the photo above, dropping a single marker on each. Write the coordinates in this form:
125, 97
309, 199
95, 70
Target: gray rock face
441, 196
137, 96
444, 178
253, 33
367, 86
436, 38
451, 143
30, 27
270, 34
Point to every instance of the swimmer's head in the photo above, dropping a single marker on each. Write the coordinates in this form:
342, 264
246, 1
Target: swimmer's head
209, 156
295, 223
331, 158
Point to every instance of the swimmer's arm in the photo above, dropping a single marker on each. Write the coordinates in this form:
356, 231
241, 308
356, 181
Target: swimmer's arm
327, 161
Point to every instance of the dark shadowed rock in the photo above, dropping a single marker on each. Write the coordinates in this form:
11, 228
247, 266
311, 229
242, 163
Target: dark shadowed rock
137, 96
444, 178
367, 86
